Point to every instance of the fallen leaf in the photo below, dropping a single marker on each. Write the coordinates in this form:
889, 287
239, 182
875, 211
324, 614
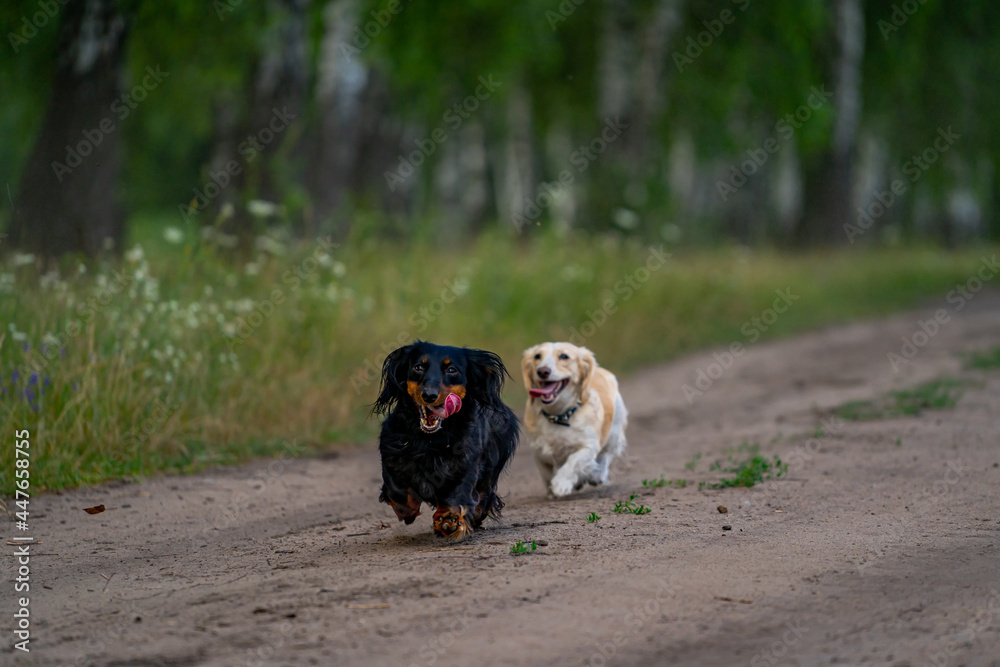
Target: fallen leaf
97, 509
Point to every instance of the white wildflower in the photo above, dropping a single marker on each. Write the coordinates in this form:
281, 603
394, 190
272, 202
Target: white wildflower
22, 259
263, 209
173, 235
135, 254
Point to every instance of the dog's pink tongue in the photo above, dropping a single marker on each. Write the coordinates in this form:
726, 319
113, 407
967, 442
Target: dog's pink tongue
547, 390
452, 404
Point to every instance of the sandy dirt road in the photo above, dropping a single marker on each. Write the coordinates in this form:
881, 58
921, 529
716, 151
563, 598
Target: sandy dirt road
881, 547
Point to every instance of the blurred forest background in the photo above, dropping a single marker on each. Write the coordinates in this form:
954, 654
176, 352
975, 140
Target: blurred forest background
740, 120
219, 216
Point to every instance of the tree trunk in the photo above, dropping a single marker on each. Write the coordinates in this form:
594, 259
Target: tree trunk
665, 20
829, 201
342, 80
67, 199
256, 140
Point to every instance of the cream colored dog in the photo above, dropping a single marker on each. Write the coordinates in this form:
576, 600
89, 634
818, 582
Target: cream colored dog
575, 418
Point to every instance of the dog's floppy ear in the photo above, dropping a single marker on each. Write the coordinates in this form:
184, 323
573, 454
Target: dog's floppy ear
393, 380
526, 360
486, 373
587, 363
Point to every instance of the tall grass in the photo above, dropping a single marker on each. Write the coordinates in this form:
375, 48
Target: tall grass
194, 359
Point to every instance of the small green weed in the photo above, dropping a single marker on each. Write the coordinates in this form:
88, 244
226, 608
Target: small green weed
659, 483
523, 547
593, 518
984, 361
693, 462
935, 395
630, 507
749, 471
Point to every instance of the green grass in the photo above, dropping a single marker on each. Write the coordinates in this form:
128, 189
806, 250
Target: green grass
935, 395
987, 360
593, 517
523, 547
748, 471
630, 506
661, 482
201, 360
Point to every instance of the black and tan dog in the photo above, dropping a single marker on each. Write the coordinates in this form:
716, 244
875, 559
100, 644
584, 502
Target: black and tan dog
447, 435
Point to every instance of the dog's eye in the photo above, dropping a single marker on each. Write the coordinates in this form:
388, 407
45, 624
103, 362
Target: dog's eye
564, 356
419, 368
452, 370
538, 356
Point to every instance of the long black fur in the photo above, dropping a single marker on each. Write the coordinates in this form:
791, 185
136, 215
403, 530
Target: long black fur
460, 464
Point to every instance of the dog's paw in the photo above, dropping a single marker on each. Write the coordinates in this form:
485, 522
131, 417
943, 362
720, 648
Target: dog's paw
451, 522
407, 513
561, 487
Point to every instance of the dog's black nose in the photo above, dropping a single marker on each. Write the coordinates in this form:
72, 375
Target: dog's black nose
544, 372
429, 395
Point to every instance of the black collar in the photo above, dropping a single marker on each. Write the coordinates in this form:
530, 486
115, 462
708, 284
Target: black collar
563, 419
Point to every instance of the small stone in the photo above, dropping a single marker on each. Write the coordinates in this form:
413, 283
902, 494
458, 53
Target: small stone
542, 543
722, 509
727, 527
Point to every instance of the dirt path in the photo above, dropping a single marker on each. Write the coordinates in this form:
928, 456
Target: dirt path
869, 553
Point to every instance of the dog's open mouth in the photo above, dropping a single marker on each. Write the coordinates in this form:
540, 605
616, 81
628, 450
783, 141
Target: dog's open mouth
549, 391
432, 416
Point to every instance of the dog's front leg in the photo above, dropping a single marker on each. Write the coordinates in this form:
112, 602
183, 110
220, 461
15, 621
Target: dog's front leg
576, 469
403, 503
453, 518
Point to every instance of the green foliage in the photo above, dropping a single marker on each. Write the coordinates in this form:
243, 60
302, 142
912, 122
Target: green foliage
179, 334
934, 395
593, 517
984, 361
748, 471
522, 547
661, 482
630, 507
